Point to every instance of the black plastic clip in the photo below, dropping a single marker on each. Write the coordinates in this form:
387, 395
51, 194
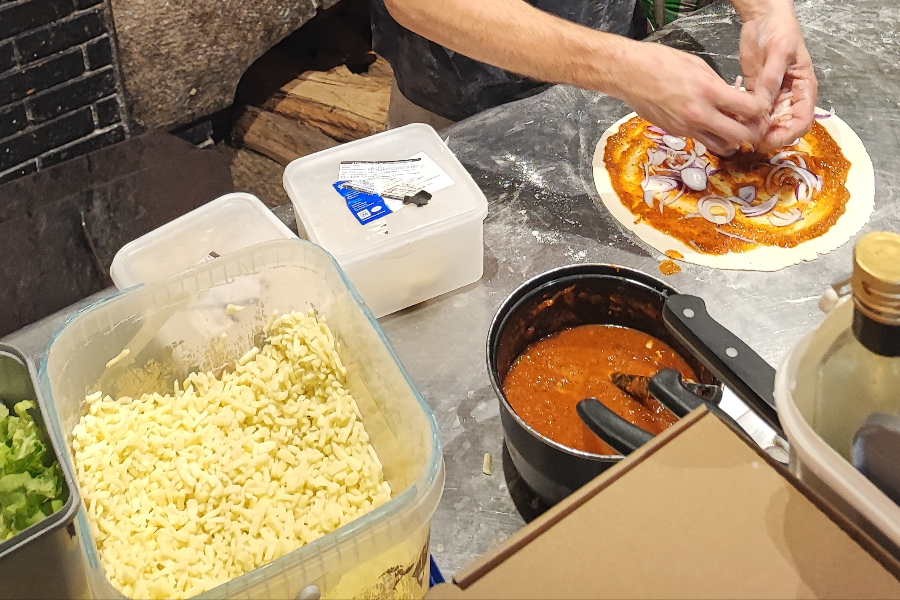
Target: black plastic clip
420, 198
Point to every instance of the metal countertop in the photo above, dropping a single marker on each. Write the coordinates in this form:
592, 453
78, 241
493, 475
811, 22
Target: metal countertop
532, 159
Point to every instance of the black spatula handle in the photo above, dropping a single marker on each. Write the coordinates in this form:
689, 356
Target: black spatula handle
723, 353
667, 386
622, 436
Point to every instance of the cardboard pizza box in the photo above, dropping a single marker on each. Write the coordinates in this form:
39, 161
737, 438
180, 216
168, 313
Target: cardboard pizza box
699, 512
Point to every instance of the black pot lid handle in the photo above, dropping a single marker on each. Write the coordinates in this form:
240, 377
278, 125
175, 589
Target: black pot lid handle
723, 353
622, 436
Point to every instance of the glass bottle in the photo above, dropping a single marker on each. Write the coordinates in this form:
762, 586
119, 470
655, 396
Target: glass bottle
860, 373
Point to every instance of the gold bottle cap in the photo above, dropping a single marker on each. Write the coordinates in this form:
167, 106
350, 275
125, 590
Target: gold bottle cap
876, 276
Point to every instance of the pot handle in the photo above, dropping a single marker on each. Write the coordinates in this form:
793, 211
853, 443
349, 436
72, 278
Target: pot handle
624, 437
723, 353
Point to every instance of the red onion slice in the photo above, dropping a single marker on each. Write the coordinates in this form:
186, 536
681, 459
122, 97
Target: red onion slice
803, 193
807, 176
739, 201
736, 236
656, 129
826, 115
674, 155
770, 178
670, 199
694, 178
782, 112
782, 157
760, 209
659, 183
693, 161
780, 219
692, 215
656, 157
654, 185
747, 193
675, 143
699, 148
787, 215
707, 203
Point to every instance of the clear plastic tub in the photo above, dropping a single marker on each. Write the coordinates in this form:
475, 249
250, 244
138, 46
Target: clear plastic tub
812, 459
384, 553
408, 256
224, 225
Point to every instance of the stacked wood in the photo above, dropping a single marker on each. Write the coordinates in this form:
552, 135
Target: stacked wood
341, 104
256, 174
278, 137
318, 87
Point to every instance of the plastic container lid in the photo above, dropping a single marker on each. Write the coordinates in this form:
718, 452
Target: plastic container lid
224, 225
329, 223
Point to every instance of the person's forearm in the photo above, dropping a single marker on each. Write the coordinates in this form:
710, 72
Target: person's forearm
515, 36
750, 9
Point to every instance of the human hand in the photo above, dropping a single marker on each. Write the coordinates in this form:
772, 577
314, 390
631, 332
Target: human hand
775, 61
683, 95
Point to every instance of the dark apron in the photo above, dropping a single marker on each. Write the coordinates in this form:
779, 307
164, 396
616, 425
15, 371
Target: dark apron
455, 86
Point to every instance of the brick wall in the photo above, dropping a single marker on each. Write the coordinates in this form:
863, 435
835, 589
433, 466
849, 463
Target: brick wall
60, 93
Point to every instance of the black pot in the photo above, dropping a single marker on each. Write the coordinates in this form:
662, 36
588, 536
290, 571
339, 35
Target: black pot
556, 300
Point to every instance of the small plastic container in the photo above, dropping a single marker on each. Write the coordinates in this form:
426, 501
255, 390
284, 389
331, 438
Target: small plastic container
426, 250
51, 545
224, 225
811, 458
176, 321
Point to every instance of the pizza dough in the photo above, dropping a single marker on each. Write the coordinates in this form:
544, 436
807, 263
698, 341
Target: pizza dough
860, 184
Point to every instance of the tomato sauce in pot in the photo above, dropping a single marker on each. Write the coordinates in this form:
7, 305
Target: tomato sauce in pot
552, 376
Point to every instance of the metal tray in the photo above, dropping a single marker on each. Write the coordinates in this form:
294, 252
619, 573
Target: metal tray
45, 560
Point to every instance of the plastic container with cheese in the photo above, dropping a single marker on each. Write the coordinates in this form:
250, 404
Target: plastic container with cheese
175, 322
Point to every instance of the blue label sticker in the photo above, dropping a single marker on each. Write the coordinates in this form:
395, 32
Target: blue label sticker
365, 206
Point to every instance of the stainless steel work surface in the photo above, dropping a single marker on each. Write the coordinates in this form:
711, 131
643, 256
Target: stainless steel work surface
533, 161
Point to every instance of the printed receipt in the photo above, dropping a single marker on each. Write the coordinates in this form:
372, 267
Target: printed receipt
397, 178
375, 189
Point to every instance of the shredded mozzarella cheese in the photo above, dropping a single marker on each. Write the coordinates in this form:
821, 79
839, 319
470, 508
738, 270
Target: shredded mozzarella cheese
118, 357
190, 489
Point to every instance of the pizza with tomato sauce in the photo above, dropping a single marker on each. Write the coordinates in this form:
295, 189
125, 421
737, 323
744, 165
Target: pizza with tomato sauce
748, 211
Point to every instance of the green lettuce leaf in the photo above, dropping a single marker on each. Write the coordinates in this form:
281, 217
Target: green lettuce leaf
32, 486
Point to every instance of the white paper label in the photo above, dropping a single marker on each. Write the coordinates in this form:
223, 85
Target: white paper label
396, 179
